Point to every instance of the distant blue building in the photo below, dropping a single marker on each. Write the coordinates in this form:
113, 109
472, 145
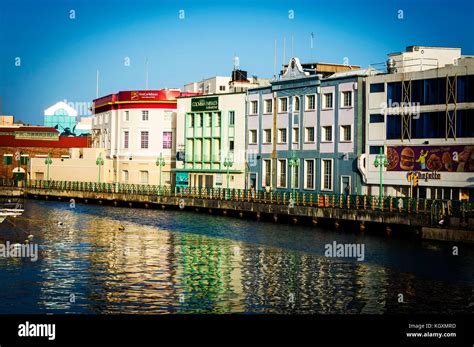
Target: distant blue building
60, 116
305, 131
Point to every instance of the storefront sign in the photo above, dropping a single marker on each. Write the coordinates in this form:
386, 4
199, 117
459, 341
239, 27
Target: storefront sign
182, 179
456, 158
415, 176
218, 179
204, 104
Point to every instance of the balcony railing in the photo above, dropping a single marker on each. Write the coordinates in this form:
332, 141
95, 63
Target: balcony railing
436, 208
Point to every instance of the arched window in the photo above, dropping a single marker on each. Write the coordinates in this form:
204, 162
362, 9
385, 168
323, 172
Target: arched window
297, 103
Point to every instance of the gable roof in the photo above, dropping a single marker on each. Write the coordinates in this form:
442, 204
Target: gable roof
60, 105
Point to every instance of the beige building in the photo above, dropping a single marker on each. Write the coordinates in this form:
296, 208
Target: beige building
80, 166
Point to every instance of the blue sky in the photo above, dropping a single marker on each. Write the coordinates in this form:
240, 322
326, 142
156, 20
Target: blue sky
60, 56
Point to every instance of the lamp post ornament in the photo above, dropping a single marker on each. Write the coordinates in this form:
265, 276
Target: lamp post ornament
228, 163
99, 162
381, 161
160, 162
293, 163
48, 161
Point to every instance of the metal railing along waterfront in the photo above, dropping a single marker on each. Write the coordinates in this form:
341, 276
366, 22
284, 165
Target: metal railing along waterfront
437, 208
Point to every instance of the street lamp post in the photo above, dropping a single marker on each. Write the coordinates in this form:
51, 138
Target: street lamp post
228, 164
160, 162
99, 162
293, 163
381, 161
48, 161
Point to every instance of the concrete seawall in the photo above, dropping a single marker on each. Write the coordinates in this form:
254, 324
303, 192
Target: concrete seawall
415, 223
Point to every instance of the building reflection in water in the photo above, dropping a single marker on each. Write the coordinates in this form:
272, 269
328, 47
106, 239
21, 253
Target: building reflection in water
88, 265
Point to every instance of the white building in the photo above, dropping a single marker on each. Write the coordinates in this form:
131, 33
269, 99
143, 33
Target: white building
422, 116
222, 84
136, 129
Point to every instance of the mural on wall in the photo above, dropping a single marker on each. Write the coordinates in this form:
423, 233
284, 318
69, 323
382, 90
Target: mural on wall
457, 158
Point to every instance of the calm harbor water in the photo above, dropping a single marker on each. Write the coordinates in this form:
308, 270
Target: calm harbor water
184, 262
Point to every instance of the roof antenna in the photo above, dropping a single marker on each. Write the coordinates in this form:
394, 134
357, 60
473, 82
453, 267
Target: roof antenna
97, 85
146, 73
274, 59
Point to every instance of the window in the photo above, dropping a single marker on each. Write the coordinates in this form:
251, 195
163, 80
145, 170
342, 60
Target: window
283, 104
125, 139
282, 173
144, 177
296, 101
310, 134
465, 123
394, 92
268, 136
254, 107
327, 174
282, 135
7, 159
144, 115
375, 149
25, 158
253, 136
296, 135
222, 88
376, 118
218, 119
394, 127
208, 119
310, 102
309, 173
327, 134
191, 120
231, 117
199, 120
126, 116
377, 88
268, 172
144, 139
231, 145
345, 133
125, 176
328, 100
167, 139
268, 106
347, 99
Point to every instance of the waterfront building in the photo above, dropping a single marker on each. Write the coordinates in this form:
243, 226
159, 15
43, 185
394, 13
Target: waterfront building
305, 130
211, 132
78, 164
137, 129
211, 141
420, 112
20, 143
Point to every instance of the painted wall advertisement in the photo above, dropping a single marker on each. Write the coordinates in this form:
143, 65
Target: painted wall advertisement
456, 158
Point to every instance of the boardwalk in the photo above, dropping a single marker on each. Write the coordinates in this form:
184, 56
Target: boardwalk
412, 214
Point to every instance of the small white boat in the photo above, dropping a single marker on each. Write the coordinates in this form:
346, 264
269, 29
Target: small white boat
8, 212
